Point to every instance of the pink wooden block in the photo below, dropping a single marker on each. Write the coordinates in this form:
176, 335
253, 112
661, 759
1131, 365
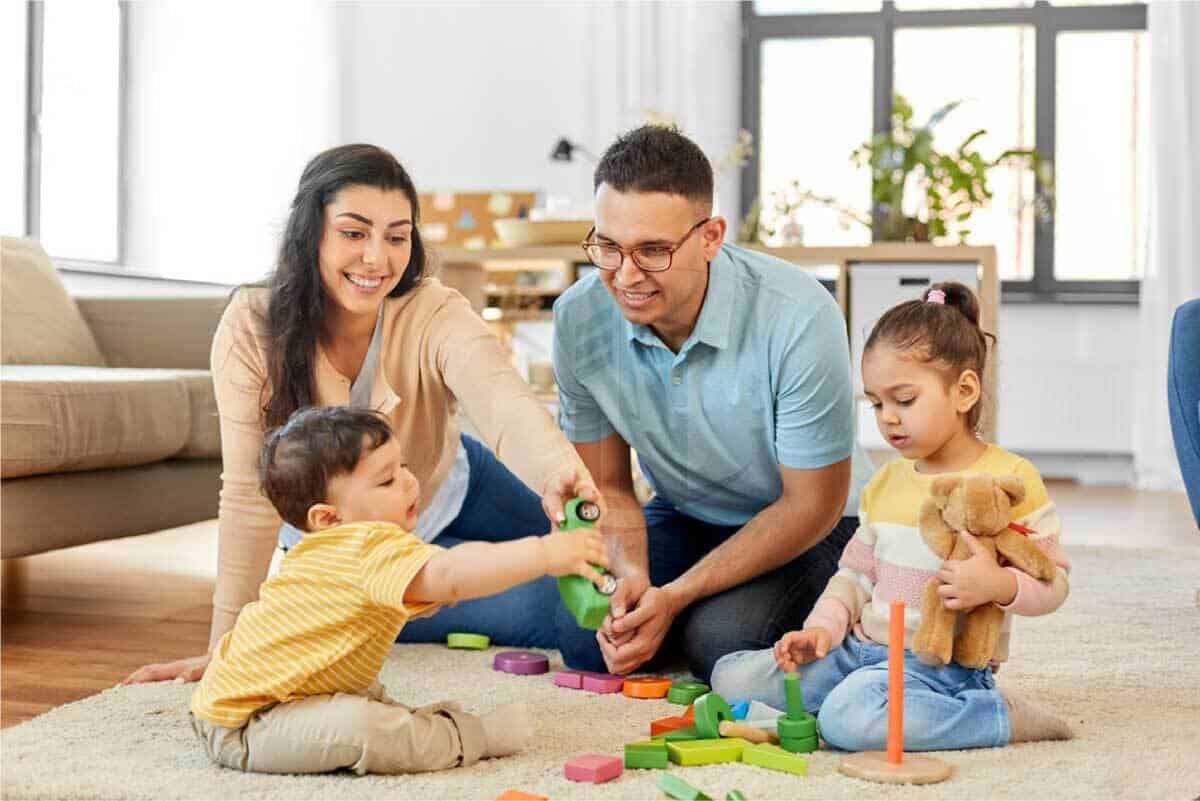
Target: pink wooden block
602, 682
569, 678
594, 768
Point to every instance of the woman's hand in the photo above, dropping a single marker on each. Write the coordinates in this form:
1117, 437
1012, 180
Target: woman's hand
181, 670
562, 487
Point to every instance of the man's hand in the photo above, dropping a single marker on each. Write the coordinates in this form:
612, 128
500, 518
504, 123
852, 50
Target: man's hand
648, 624
562, 487
798, 648
630, 589
975, 581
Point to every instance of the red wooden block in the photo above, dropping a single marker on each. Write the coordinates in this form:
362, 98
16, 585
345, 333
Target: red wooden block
690, 714
668, 724
603, 682
594, 768
569, 678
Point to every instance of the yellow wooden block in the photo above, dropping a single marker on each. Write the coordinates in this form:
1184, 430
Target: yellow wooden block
706, 752
775, 758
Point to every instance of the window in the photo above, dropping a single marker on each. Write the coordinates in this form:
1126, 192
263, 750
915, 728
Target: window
13, 56
71, 198
1069, 77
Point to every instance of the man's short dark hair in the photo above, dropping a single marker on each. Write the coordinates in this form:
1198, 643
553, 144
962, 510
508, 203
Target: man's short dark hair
316, 444
656, 158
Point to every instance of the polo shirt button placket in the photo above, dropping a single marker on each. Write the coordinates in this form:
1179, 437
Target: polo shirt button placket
676, 378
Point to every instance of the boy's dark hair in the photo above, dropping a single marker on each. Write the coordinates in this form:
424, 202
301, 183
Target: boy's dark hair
947, 334
655, 158
316, 444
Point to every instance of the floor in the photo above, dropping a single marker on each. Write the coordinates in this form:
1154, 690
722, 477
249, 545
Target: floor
77, 621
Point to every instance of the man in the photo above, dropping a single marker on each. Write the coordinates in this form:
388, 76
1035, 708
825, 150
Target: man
728, 372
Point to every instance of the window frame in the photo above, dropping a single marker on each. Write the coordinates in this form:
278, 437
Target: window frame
35, 29
880, 26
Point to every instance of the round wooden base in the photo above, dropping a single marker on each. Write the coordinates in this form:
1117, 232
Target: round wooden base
914, 769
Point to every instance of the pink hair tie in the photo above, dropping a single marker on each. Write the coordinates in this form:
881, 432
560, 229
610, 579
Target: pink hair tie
936, 296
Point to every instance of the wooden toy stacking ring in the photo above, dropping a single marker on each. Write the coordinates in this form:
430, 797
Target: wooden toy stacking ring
521, 662
710, 710
647, 687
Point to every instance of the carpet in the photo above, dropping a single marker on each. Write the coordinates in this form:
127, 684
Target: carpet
1120, 661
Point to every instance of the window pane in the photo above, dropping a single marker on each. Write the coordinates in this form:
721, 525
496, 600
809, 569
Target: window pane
1102, 132
79, 126
991, 69
1093, 2
12, 119
771, 7
944, 5
816, 109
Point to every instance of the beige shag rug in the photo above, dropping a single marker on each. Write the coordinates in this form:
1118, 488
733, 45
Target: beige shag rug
1121, 661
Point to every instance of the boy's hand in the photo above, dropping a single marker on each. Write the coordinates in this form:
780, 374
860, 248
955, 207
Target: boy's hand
975, 581
574, 553
798, 648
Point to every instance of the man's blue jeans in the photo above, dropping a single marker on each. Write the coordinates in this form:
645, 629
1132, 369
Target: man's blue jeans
945, 708
752, 615
497, 507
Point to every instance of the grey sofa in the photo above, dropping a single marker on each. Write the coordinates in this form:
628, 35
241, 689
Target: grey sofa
108, 424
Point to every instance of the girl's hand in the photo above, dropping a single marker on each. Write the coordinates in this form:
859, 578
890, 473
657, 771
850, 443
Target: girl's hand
574, 553
975, 581
190, 669
798, 648
562, 487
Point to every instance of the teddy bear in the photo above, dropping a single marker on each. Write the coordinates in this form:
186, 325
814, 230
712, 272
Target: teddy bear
981, 504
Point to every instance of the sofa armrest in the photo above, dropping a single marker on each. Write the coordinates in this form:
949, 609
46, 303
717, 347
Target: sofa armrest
172, 332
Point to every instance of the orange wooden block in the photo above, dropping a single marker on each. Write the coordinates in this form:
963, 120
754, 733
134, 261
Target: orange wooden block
517, 795
647, 687
667, 724
690, 714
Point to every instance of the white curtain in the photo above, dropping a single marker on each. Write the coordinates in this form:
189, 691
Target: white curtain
1173, 263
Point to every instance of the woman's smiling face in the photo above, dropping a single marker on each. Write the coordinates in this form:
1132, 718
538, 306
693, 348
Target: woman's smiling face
365, 247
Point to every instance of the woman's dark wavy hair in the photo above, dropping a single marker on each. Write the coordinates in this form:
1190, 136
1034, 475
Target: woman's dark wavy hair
946, 334
297, 299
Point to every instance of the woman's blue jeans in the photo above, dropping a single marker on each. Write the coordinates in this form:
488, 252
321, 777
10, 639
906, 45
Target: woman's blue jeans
1183, 396
945, 708
497, 507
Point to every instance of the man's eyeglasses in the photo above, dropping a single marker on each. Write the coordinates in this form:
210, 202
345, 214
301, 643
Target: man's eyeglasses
649, 258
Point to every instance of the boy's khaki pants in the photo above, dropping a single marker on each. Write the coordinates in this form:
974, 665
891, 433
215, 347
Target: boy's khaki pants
366, 733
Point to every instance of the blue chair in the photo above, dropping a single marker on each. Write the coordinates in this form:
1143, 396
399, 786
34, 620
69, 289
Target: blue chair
1183, 396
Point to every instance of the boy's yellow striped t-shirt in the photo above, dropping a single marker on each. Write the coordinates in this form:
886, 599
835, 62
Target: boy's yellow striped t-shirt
324, 624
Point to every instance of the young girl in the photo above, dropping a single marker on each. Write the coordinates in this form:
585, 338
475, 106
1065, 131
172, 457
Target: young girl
922, 369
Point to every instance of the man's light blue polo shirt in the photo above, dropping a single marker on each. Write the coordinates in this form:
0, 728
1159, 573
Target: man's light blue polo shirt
763, 380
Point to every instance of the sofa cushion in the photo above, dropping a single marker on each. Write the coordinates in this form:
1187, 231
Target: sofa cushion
39, 322
63, 418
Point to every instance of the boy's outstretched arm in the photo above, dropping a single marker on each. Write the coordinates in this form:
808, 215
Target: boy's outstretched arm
476, 569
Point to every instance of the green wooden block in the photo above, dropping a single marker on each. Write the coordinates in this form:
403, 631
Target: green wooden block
709, 710
685, 692
735, 795
646, 754
796, 728
802, 745
678, 735
791, 691
773, 757
677, 788
706, 752
587, 604
474, 642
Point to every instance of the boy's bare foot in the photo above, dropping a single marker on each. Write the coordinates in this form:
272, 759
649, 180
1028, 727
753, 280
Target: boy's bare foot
1030, 722
506, 730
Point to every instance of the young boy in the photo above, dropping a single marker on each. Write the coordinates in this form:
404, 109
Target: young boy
292, 687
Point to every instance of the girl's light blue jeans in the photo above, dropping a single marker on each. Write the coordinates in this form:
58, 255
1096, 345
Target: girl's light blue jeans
945, 708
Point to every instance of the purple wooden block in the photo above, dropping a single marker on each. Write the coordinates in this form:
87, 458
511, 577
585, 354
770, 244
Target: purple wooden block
569, 678
602, 682
521, 662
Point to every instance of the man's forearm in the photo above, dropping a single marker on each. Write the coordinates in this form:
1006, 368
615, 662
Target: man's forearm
773, 537
624, 529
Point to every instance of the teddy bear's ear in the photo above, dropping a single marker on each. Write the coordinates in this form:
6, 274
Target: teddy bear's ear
1013, 487
942, 487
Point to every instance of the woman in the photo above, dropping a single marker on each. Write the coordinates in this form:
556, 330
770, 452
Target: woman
349, 317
